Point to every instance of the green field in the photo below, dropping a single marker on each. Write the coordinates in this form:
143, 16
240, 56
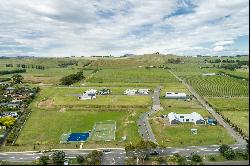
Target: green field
134, 75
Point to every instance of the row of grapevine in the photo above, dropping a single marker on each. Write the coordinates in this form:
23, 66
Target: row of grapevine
219, 86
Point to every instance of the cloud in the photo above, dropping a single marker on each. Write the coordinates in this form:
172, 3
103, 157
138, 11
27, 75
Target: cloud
65, 27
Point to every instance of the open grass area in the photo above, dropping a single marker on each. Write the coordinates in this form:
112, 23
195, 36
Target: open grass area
132, 76
235, 109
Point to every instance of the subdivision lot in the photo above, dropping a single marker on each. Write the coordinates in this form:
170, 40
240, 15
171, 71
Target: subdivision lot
235, 109
180, 134
62, 97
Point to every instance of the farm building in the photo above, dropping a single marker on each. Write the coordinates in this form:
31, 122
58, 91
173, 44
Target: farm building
143, 91
130, 91
105, 92
194, 117
89, 94
175, 95
209, 74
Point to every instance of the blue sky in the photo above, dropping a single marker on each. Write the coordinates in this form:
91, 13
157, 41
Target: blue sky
103, 27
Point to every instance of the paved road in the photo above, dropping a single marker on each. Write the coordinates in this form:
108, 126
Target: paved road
220, 120
145, 129
117, 155
114, 157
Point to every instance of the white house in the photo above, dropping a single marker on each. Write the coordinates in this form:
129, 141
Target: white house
209, 74
130, 92
194, 117
88, 94
143, 91
175, 95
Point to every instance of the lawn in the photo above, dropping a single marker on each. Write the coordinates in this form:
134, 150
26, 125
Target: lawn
235, 109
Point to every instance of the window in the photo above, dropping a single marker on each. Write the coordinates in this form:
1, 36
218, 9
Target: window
181, 116
187, 120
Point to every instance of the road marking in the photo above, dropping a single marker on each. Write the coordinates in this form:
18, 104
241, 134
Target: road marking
12, 157
21, 158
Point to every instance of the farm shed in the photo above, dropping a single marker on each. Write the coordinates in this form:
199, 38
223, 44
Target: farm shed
175, 95
194, 117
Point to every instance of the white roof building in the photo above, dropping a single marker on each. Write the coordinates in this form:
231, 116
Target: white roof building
143, 91
175, 95
130, 91
194, 117
88, 94
209, 74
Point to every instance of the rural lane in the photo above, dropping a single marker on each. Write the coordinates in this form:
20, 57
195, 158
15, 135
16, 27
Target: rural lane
144, 127
219, 119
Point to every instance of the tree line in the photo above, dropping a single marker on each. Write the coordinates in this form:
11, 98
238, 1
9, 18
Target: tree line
26, 66
3, 72
64, 64
72, 78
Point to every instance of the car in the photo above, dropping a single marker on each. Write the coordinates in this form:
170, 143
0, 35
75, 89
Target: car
154, 153
107, 150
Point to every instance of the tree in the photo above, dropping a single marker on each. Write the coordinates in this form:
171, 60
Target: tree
229, 154
172, 160
80, 159
58, 157
223, 148
43, 160
94, 158
7, 121
17, 78
196, 158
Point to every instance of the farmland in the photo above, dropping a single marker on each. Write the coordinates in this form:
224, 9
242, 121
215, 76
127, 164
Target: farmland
57, 109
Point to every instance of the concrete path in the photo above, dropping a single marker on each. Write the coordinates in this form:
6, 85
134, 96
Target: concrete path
219, 119
145, 129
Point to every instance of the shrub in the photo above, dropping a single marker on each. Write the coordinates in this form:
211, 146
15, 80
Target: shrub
229, 154
43, 160
196, 158
80, 159
223, 148
58, 157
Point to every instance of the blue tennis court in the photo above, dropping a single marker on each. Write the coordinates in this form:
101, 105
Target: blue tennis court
74, 137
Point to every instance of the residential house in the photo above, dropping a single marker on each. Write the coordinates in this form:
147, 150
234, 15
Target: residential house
194, 117
89, 94
143, 91
10, 90
175, 95
105, 91
130, 92
209, 74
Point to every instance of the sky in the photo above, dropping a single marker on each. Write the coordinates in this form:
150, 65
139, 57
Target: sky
61, 28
